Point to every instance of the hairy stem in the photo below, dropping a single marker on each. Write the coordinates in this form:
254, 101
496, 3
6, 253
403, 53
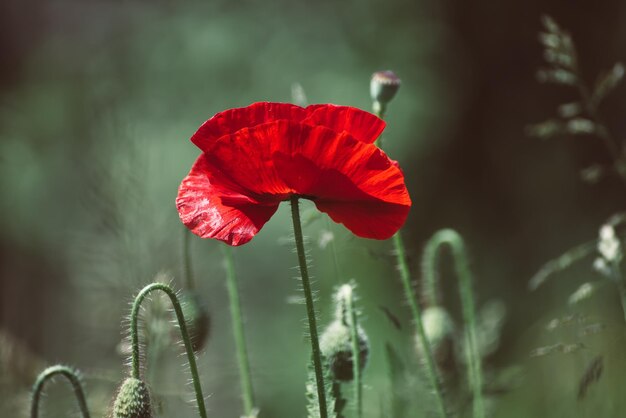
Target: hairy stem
431, 367
134, 335
247, 393
48, 374
356, 356
405, 277
310, 309
461, 267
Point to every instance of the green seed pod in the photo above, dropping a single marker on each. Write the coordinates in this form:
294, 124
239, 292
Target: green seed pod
336, 346
197, 319
383, 87
133, 400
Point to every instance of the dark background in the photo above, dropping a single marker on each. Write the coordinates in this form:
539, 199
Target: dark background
98, 100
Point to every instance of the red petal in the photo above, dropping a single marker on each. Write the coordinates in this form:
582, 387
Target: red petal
342, 174
376, 219
232, 120
362, 125
245, 158
212, 209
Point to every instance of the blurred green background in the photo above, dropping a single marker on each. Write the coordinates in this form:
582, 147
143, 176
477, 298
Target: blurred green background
98, 100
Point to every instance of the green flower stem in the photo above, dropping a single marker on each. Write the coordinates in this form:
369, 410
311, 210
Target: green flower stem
431, 368
74, 380
356, 354
134, 335
310, 309
240, 341
405, 278
464, 276
186, 258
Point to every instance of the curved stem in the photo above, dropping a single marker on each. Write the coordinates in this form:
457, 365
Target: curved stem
310, 309
431, 368
431, 292
356, 354
461, 267
74, 380
134, 335
240, 341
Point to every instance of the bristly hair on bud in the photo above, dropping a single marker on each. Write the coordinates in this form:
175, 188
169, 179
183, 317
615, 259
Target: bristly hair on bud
383, 87
336, 345
132, 400
336, 340
313, 405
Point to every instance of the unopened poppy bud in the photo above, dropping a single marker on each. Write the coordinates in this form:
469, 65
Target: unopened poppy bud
383, 87
133, 400
439, 330
336, 346
197, 319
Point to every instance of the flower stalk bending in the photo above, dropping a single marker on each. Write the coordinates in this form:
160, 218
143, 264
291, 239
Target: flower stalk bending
74, 380
461, 267
416, 311
310, 309
134, 335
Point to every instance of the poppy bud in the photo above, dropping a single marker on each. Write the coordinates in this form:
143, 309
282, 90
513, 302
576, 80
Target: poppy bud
133, 400
336, 346
383, 87
439, 330
197, 319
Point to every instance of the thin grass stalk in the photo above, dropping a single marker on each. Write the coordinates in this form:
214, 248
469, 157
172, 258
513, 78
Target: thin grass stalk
134, 335
247, 393
310, 308
71, 376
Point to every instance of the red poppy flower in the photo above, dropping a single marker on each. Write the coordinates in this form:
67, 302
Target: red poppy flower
258, 156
